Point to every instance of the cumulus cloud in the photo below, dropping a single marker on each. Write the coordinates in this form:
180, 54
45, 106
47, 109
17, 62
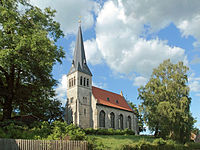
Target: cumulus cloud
100, 85
68, 12
185, 14
119, 42
140, 81
194, 84
93, 54
61, 90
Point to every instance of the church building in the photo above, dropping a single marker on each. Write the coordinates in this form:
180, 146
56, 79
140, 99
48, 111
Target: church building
89, 106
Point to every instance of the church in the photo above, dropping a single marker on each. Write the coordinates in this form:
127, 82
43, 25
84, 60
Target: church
89, 106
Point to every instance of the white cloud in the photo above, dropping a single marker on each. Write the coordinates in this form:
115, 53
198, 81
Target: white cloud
93, 54
194, 84
68, 12
158, 14
61, 90
140, 81
191, 27
100, 85
119, 42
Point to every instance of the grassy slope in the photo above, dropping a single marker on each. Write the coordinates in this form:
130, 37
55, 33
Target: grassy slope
114, 141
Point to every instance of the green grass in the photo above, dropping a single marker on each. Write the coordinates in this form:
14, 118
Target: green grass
115, 141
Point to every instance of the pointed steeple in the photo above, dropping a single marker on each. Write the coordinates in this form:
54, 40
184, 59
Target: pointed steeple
79, 60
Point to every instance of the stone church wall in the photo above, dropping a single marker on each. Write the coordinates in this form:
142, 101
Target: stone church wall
117, 112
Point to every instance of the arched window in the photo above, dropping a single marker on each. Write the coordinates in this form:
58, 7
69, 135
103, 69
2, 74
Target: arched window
84, 82
71, 100
121, 121
81, 80
74, 81
129, 122
112, 119
85, 111
69, 82
102, 118
87, 82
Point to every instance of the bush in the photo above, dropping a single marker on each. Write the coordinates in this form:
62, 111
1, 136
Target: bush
110, 131
93, 144
60, 130
129, 132
90, 131
41, 131
15, 130
157, 144
75, 133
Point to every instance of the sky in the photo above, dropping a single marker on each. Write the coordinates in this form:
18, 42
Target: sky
125, 39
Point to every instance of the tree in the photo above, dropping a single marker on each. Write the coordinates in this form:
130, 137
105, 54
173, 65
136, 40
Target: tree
166, 102
139, 116
27, 55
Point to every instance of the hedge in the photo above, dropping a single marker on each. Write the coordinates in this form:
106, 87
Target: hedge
91, 131
160, 144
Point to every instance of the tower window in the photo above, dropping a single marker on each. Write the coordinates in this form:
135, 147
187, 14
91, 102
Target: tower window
85, 99
87, 82
108, 99
71, 100
81, 80
85, 111
74, 81
84, 82
117, 101
69, 82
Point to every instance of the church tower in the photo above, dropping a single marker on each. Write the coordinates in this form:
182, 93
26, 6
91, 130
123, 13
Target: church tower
79, 89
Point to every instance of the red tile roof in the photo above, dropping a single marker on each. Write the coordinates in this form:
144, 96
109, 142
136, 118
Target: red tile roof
102, 95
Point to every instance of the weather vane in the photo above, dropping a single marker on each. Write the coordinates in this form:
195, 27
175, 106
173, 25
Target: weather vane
79, 21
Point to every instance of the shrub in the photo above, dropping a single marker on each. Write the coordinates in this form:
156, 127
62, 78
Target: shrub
159, 141
110, 131
60, 130
41, 130
15, 130
93, 144
90, 131
75, 133
157, 144
129, 132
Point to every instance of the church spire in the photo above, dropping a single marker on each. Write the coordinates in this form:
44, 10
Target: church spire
79, 60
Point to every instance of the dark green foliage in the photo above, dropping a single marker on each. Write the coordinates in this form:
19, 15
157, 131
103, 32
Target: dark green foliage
158, 144
138, 114
15, 130
91, 131
57, 130
93, 144
43, 130
166, 102
27, 55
